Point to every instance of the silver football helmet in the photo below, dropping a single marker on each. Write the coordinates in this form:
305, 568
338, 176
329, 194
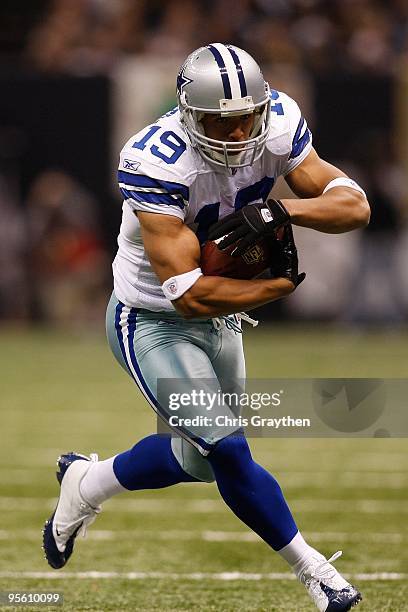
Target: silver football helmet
225, 80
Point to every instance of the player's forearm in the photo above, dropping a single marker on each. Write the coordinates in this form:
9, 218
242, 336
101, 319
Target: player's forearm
337, 211
212, 296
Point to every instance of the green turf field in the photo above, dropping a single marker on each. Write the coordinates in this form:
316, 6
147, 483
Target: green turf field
180, 548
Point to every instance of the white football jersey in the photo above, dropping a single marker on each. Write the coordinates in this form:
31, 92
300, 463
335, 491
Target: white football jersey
160, 172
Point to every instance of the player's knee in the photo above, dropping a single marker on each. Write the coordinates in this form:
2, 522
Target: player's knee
191, 460
231, 453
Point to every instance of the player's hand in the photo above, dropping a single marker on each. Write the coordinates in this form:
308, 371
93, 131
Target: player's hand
249, 224
286, 264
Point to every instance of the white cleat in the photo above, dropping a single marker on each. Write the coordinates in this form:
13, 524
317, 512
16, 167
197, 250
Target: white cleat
73, 514
327, 588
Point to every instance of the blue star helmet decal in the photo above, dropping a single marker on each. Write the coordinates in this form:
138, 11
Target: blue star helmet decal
182, 80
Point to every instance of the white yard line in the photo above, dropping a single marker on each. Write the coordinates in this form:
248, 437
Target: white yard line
227, 576
33, 535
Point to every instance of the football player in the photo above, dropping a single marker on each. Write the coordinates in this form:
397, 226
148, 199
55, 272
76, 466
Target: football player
212, 161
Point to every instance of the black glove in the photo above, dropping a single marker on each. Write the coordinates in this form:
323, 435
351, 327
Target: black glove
286, 263
249, 224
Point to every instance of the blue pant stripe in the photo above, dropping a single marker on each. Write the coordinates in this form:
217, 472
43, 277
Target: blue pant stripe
118, 312
131, 331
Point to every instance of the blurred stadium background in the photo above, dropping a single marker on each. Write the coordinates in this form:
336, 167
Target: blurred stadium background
77, 78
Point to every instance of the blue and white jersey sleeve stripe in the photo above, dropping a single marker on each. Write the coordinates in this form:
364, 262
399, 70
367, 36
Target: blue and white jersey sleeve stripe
300, 136
301, 139
148, 194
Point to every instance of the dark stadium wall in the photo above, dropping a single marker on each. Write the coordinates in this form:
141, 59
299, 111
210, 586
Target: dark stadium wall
57, 122
348, 108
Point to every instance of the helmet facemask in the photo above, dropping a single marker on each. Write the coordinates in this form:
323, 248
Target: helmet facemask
200, 92
229, 154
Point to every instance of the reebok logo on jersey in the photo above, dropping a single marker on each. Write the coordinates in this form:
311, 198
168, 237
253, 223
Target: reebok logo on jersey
130, 165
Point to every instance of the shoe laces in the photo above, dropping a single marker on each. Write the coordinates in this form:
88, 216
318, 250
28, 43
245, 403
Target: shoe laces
324, 570
88, 521
83, 522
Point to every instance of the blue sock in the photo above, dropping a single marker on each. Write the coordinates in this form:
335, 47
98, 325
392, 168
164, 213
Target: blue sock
150, 464
251, 492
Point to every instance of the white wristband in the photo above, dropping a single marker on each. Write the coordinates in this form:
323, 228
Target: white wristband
175, 286
343, 181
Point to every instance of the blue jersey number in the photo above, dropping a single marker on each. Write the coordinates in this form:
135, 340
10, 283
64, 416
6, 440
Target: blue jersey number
257, 191
168, 138
141, 144
276, 108
205, 218
210, 212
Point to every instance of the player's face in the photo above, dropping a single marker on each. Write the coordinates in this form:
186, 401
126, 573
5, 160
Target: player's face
228, 129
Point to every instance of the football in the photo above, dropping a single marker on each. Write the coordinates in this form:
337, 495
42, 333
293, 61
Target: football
255, 260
